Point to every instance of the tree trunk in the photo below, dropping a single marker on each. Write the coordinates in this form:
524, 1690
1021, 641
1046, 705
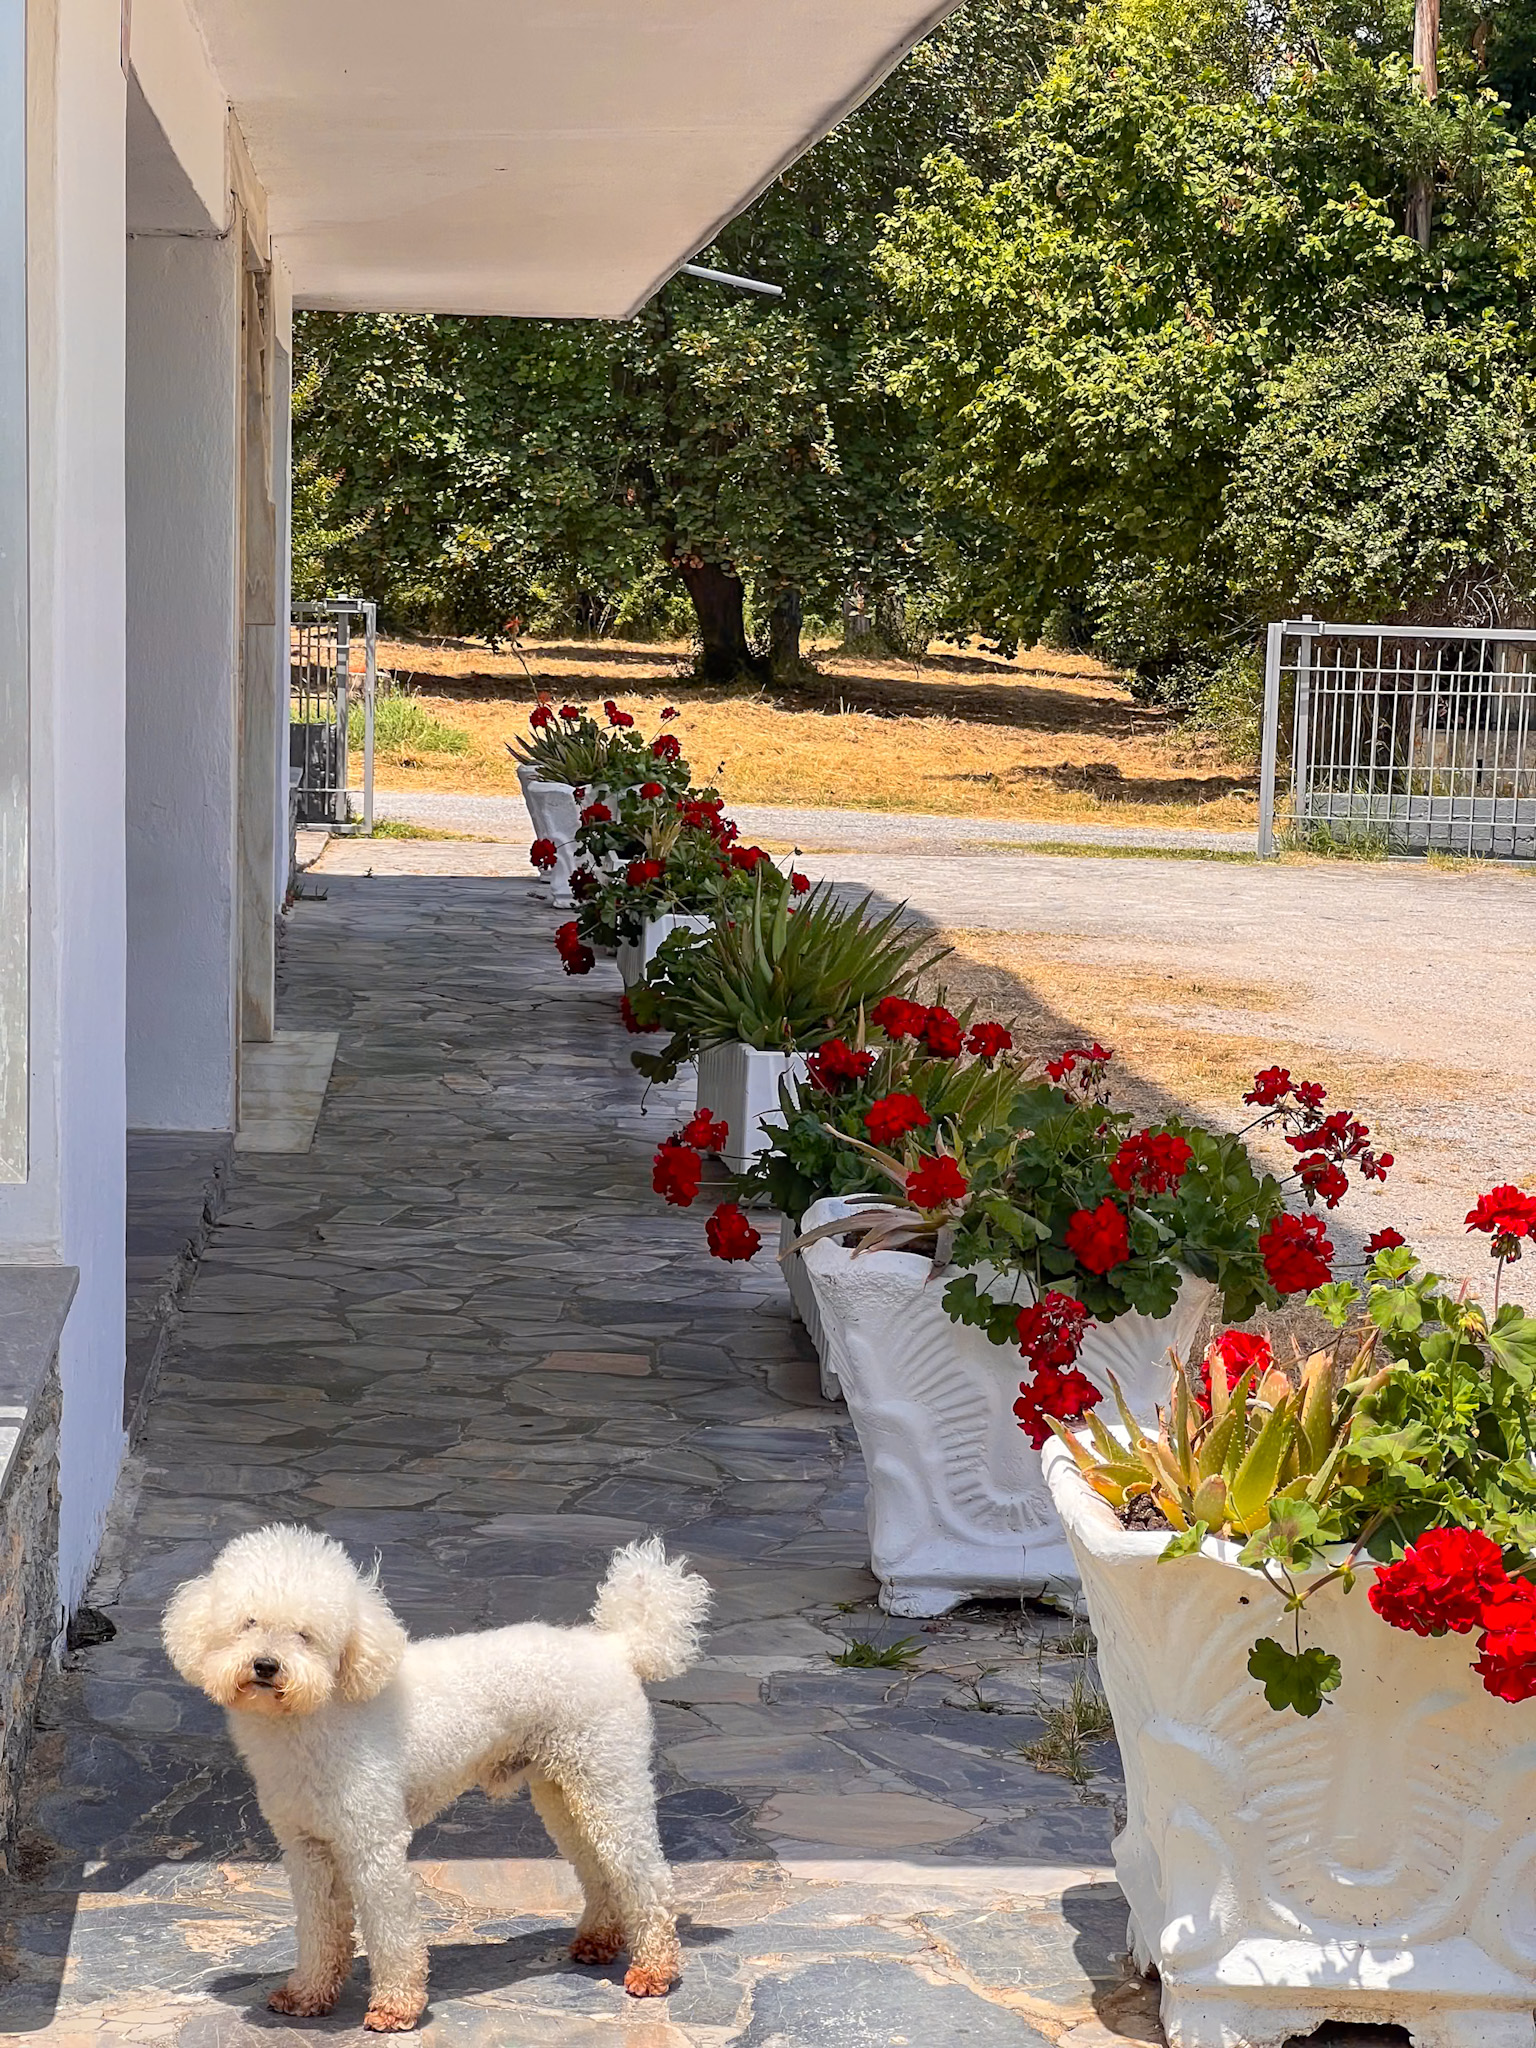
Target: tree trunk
717, 602
1426, 63
784, 634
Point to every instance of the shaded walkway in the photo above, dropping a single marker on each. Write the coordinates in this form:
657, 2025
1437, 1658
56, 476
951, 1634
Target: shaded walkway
463, 1333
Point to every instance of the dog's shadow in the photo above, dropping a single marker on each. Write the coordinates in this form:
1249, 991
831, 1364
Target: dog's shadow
460, 1969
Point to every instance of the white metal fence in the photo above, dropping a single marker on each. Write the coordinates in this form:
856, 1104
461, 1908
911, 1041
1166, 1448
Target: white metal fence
332, 664
1421, 736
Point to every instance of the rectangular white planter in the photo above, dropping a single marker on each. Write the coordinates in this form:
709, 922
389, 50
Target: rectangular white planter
741, 1084
1370, 1864
553, 811
635, 958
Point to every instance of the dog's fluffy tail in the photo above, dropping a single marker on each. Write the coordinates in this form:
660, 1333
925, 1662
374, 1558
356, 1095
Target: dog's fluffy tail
656, 1605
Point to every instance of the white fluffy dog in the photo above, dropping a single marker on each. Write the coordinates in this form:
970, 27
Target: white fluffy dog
356, 1736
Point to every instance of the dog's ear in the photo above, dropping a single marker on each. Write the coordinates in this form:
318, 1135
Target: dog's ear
373, 1649
185, 1627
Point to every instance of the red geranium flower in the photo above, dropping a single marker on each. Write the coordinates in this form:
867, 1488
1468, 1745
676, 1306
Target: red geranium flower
570, 711
597, 814
1051, 1330
942, 1034
676, 1172
747, 858
668, 747
1507, 1664
1093, 1056
1098, 1238
935, 1182
1270, 1086
1441, 1582
651, 790
986, 1041
1505, 1211
1320, 1176
1297, 1253
631, 1021
729, 1233
579, 960
543, 853
893, 1116
704, 1132
583, 883
669, 711
1065, 1395
1234, 1351
898, 1018
1154, 1161
540, 717
639, 872
836, 1062
798, 883
1386, 1240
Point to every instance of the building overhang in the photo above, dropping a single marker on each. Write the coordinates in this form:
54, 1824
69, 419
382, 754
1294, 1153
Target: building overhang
553, 158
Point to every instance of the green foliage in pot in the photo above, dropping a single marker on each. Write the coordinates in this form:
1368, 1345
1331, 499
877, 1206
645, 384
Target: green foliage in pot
658, 855
570, 746
783, 975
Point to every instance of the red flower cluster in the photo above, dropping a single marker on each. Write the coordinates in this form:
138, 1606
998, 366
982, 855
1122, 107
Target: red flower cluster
1094, 1059
631, 1021
730, 1235
1386, 1240
1507, 1648
706, 1133
676, 1171
888, 1120
640, 872
1274, 1086
1098, 1238
616, 717
1442, 1582
540, 716
651, 790
669, 711
1153, 1161
575, 958
941, 1034
830, 1065
1327, 1144
668, 747
1297, 1253
798, 883
1051, 1330
597, 814
935, 1182
986, 1041
1065, 1395
1507, 1215
898, 1018
570, 711
706, 814
1235, 1351
747, 858
543, 854
583, 883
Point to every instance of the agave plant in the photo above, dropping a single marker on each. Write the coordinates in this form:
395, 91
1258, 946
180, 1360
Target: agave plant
778, 976
565, 751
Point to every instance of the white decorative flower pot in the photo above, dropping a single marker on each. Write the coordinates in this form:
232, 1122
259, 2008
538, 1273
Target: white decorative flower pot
1371, 1864
958, 1505
555, 816
741, 1084
804, 1308
635, 957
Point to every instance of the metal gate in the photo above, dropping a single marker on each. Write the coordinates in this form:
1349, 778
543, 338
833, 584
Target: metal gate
332, 667
1423, 736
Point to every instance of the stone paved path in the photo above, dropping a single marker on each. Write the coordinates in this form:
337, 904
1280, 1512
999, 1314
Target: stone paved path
461, 1332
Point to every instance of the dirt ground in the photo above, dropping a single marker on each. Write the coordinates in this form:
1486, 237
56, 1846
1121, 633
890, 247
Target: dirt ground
1047, 735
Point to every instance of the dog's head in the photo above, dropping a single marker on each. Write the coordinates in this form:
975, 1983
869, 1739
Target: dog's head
282, 1623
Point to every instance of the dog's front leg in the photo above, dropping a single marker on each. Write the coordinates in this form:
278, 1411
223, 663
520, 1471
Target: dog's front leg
324, 1912
389, 1914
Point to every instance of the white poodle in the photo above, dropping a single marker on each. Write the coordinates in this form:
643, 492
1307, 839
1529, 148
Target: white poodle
356, 1737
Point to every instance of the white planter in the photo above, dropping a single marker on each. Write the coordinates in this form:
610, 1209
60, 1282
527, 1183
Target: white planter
1371, 1864
635, 958
805, 1309
958, 1505
553, 810
741, 1085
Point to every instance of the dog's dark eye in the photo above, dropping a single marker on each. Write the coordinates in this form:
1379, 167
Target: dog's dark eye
250, 1621
303, 1638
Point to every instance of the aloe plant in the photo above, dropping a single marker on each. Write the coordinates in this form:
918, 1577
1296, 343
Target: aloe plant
780, 976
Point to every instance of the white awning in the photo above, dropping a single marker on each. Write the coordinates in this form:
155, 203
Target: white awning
540, 157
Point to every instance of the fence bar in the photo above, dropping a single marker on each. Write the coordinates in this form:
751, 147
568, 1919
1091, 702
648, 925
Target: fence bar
1271, 746
370, 687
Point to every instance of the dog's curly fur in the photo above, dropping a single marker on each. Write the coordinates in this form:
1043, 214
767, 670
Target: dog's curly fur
356, 1736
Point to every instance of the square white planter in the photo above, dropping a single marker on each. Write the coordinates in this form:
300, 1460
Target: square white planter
1371, 1864
634, 958
741, 1084
555, 816
958, 1504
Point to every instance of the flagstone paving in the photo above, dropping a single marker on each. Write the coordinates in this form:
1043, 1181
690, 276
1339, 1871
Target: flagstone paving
463, 1334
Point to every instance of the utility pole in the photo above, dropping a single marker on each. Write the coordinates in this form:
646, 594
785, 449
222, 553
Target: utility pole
1426, 65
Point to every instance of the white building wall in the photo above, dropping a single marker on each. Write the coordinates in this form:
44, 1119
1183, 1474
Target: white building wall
183, 407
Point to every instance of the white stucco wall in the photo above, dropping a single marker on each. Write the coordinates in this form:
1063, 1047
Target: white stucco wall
183, 348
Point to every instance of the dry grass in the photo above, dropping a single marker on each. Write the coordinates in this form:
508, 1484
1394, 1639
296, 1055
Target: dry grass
1047, 736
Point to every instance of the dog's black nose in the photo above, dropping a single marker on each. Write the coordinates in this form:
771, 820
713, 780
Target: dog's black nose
265, 1667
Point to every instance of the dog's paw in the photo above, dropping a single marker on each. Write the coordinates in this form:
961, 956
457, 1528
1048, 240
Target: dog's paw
303, 2004
597, 1945
382, 2017
640, 1981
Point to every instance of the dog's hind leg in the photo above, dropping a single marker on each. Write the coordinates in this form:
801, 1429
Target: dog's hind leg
389, 1915
616, 1816
323, 1908
600, 1932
